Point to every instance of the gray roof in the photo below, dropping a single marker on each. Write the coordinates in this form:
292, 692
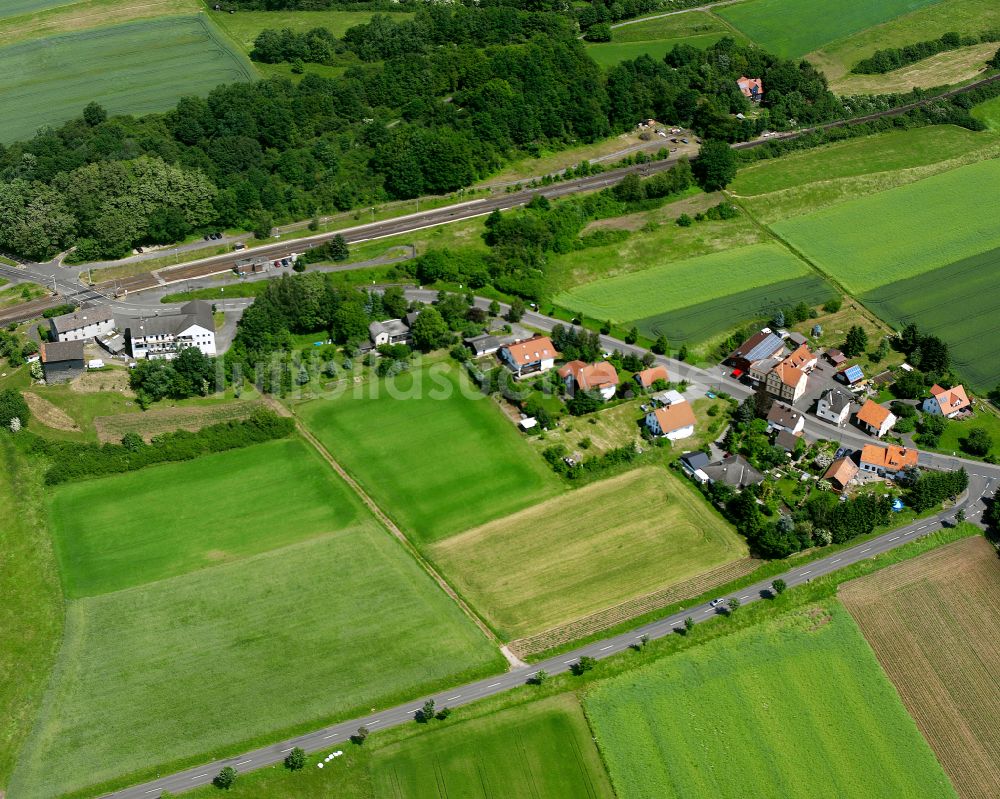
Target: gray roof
759, 346
837, 399
787, 441
483, 344
783, 415
797, 338
394, 327
81, 317
733, 470
695, 460
57, 351
195, 312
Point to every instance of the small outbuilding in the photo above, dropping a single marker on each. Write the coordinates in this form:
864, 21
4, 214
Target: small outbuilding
61, 360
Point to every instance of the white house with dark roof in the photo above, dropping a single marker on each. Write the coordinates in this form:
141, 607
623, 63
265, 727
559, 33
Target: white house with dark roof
165, 336
391, 331
83, 324
785, 417
834, 406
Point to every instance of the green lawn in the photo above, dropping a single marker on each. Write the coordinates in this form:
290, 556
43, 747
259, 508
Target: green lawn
608, 54
667, 285
654, 37
544, 748
181, 668
435, 454
989, 112
195, 514
881, 153
599, 546
903, 232
798, 707
792, 28
134, 68
955, 431
244, 26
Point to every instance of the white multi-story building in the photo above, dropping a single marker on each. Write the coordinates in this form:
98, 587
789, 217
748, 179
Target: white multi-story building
83, 324
165, 336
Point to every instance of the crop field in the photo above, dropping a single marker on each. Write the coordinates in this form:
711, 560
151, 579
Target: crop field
672, 285
697, 323
13, 8
179, 667
544, 747
134, 68
588, 550
884, 152
799, 703
936, 636
960, 303
654, 37
792, 28
904, 232
221, 507
164, 420
432, 451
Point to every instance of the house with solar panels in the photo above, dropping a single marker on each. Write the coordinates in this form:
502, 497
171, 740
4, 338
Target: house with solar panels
761, 346
851, 376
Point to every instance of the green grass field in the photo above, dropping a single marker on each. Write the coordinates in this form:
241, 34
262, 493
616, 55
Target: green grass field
792, 28
134, 68
989, 112
607, 54
195, 514
798, 707
581, 552
881, 153
897, 234
543, 750
178, 668
671, 285
13, 8
654, 37
437, 456
960, 303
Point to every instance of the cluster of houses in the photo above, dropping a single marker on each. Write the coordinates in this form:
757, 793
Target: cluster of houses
143, 337
765, 361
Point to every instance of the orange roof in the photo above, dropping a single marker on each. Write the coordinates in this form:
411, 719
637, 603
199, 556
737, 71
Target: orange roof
790, 375
841, 471
590, 375
950, 399
532, 350
892, 458
746, 83
873, 414
647, 377
800, 357
675, 416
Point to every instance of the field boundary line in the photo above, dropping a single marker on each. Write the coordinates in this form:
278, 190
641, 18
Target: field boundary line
394, 529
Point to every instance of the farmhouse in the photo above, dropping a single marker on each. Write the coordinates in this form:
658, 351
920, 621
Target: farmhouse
647, 377
785, 417
760, 346
875, 419
530, 356
61, 360
83, 324
673, 422
886, 461
165, 336
752, 88
391, 331
580, 376
786, 382
834, 406
483, 345
734, 471
947, 402
841, 472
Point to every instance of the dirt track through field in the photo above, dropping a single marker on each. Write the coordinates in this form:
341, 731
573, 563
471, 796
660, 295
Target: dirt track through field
933, 625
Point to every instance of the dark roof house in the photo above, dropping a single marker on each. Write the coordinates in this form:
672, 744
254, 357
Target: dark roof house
61, 360
733, 470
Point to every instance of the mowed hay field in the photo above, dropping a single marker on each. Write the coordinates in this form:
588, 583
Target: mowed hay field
195, 514
13, 8
134, 68
934, 629
176, 669
903, 232
792, 28
797, 708
581, 552
671, 285
960, 303
542, 750
432, 451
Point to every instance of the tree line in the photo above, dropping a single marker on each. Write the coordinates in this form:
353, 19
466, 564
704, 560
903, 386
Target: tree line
890, 58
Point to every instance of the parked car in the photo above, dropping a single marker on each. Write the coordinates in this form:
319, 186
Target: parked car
685, 141
716, 602
239, 246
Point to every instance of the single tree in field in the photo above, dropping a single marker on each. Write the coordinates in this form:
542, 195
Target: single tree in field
296, 759
94, 114
516, 310
360, 736
632, 336
978, 442
960, 516
539, 677
225, 778
338, 248
660, 346
584, 664
688, 624
733, 605
778, 587
857, 340
716, 165
426, 713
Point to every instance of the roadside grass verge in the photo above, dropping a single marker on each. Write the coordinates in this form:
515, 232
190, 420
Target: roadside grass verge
432, 451
175, 672
601, 545
804, 687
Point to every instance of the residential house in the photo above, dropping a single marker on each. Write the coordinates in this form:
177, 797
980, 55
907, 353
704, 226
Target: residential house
786, 382
83, 324
851, 376
875, 419
760, 346
752, 88
693, 464
759, 370
391, 331
483, 345
788, 441
834, 406
841, 472
669, 397
886, 461
734, 471
673, 422
647, 377
785, 417
601, 376
165, 336
61, 360
802, 358
947, 402
530, 356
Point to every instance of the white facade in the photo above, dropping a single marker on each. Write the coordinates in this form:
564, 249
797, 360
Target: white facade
167, 345
827, 409
82, 324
